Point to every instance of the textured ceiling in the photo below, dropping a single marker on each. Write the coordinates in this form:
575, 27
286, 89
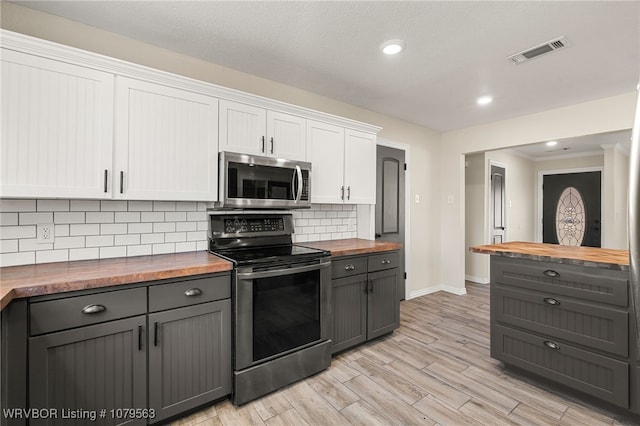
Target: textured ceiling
455, 50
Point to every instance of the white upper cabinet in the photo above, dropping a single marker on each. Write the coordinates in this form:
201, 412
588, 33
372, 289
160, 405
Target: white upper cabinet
57, 128
166, 143
343, 164
360, 167
325, 146
251, 130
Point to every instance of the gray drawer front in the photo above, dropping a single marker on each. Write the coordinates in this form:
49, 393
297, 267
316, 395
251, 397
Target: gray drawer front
189, 292
598, 327
380, 262
595, 284
596, 375
61, 314
347, 267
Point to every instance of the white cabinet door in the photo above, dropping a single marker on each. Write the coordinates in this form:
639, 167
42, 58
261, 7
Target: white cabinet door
325, 151
360, 167
242, 128
166, 143
57, 128
286, 135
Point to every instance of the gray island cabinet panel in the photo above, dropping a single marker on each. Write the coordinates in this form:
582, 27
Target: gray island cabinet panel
566, 323
189, 357
364, 294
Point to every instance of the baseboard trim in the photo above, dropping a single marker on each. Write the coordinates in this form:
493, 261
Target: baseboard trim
477, 280
440, 287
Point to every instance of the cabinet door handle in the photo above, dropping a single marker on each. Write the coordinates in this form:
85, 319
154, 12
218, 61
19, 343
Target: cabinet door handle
106, 180
551, 301
121, 182
272, 145
348, 192
93, 309
342, 193
139, 337
551, 273
262, 149
155, 333
551, 345
371, 286
192, 292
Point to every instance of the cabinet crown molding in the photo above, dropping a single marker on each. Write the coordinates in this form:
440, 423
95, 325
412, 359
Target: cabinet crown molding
47, 49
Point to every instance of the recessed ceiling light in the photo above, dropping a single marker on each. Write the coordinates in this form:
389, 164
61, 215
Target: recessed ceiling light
552, 143
392, 47
484, 100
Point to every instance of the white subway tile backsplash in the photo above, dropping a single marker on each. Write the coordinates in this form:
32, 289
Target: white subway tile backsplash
13, 232
93, 229
8, 219
47, 256
16, 206
52, 205
35, 218
85, 206
84, 229
69, 217
84, 253
99, 217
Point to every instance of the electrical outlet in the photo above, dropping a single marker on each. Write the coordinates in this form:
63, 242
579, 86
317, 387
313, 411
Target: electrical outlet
45, 233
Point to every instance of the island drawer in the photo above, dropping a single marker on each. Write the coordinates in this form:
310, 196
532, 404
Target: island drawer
594, 284
177, 294
382, 261
595, 326
76, 311
596, 375
348, 267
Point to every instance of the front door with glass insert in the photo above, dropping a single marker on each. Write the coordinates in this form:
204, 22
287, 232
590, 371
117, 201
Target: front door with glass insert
571, 209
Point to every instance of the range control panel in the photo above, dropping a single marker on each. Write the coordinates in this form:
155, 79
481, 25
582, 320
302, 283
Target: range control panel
251, 225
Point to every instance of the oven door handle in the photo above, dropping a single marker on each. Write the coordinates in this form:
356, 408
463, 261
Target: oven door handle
283, 271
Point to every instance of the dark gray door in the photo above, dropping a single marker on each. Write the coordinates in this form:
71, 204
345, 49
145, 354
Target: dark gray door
390, 174
383, 306
189, 357
96, 367
497, 205
571, 209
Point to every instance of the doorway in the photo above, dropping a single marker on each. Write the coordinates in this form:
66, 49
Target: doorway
390, 202
572, 209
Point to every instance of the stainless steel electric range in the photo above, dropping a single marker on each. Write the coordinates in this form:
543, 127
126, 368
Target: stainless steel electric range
281, 296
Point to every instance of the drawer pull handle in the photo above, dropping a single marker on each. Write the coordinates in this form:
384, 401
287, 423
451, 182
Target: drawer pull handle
552, 345
551, 273
349, 267
385, 261
192, 292
551, 301
93, 309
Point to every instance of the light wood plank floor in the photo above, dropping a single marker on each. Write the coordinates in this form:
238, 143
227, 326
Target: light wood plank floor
434, 370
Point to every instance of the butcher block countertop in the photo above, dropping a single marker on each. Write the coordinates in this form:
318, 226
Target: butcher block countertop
352, 246
50, 278
581, 256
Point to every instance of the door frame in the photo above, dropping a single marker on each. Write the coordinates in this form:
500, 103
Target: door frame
407, 208
539, 182
489, 207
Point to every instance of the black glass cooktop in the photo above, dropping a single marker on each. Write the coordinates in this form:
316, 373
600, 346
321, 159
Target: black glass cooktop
269, 254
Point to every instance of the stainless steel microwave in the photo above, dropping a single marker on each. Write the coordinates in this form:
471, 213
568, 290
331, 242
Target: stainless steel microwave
251, 181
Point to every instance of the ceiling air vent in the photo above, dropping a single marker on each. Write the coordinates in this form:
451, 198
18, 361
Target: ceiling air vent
540, 49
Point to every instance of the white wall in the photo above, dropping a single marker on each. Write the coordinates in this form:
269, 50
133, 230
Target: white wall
424, 143
615, 229
603, 115
476, 267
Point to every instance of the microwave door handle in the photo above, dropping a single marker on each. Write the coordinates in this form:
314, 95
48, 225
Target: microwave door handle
299, 194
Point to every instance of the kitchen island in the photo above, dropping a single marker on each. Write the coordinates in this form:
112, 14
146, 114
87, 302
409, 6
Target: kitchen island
564, 314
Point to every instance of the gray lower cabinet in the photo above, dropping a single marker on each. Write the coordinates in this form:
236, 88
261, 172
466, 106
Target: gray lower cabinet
364, 296
96, 367
567, 323
189, 357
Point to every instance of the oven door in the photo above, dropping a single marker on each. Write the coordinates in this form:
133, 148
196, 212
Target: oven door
248, 181
280, 310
